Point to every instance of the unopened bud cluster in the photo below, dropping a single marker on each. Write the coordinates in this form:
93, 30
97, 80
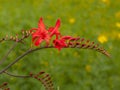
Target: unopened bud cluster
86, 44
45, 79
4, 86
15, 38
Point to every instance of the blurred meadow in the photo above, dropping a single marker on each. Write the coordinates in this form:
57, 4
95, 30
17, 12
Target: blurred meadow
70, 69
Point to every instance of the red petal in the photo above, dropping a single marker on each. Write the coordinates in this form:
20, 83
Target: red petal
38, 42
66, 37
59, 44
36, 34
58, 23
34, 38
41, 24
50, 29
33, 29
74, 39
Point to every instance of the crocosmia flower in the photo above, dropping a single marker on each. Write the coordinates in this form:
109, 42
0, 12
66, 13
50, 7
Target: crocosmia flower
40, 34
54, 30
62, 42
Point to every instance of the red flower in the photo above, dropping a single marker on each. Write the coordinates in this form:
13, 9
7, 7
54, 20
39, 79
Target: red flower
40, 34
54, 30
60, 43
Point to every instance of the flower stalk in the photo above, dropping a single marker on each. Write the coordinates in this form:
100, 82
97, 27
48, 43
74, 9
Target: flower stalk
39, 35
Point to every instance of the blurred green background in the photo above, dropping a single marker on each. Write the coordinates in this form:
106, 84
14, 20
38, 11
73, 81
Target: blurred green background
71, 69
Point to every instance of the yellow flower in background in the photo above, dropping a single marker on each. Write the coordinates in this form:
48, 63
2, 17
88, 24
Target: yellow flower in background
72, 20
118, 35
88, 68
106, 1
102, 39
117, 15
118, 24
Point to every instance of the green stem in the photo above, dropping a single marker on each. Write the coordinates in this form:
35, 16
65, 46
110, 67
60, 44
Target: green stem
24, 54
14, 45
4, 58
19, 76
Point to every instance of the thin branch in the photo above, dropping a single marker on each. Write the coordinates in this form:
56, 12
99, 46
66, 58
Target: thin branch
18, 58
3, 85
14, 45
4, 58
27, 52
19, 76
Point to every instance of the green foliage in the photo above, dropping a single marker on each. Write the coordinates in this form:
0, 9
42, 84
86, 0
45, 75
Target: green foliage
71, 69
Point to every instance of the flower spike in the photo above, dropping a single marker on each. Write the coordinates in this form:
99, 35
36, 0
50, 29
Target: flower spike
45, 79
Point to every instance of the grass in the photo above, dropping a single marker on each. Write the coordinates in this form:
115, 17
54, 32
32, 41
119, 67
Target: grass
71, 69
